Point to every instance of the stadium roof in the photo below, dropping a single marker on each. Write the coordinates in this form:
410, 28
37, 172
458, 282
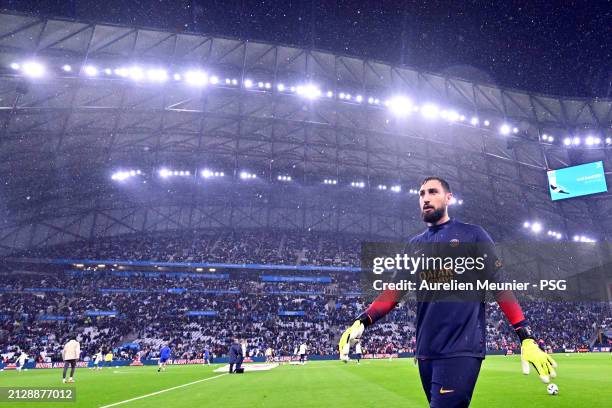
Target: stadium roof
147, 99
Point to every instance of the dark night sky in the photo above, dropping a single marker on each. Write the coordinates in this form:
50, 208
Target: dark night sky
535, 45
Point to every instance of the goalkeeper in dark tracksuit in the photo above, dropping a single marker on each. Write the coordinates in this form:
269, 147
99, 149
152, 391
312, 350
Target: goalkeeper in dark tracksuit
451, 336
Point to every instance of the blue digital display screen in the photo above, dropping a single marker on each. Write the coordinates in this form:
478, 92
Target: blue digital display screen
577, 181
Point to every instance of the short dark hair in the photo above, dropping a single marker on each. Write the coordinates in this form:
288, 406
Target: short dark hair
444, 183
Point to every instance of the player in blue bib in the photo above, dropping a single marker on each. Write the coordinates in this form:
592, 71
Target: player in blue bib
164, 356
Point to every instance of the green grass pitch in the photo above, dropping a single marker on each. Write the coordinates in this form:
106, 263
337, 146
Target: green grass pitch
584, 380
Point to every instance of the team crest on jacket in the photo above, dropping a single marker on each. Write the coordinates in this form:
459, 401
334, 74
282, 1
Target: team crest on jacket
454, 242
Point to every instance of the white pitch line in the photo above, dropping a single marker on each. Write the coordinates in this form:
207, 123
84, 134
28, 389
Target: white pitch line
162, 391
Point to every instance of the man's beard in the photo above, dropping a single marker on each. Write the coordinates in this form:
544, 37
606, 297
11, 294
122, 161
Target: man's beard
434, 216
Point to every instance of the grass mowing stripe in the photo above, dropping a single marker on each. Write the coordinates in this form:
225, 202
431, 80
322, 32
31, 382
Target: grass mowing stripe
162, 391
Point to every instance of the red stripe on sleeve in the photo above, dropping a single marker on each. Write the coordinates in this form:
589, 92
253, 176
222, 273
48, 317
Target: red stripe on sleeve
383, 304
510, 306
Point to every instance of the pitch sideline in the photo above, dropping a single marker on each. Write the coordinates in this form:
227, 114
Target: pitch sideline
162, 391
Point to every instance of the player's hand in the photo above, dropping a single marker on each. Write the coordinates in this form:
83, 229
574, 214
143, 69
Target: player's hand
541, 361
349, 338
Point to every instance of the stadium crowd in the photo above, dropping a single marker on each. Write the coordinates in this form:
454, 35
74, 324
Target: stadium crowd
197, 311
263, 247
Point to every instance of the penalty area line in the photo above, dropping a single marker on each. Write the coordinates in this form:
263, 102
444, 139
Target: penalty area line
162, 391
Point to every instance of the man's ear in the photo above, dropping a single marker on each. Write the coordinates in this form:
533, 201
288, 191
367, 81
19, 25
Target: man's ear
449, 196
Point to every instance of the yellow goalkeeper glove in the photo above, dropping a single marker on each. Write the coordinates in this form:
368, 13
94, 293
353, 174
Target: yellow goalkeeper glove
541, 361
349, 338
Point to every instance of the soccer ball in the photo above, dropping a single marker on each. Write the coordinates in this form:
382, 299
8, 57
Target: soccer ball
552, 389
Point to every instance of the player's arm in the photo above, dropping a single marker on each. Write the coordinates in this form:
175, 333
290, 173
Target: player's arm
383, 304
530, 352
